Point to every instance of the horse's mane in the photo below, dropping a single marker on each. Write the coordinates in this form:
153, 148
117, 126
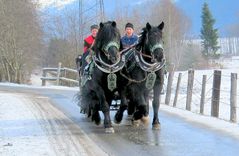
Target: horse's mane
144, 32
141, 39
106, 33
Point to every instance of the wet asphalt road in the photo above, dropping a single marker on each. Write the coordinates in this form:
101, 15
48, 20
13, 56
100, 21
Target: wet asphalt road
177, 137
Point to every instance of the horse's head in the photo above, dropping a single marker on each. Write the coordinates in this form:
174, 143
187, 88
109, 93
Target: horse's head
78, 62
152, 42
108, 41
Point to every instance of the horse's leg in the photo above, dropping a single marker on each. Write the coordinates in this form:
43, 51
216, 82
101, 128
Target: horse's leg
89, 112
141, 110
95, 114
131, 109
146, 96
84, 103
156, 101
107, 122
105, 109
123, 107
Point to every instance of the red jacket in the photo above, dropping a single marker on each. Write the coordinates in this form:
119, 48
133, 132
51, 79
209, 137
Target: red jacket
88, 41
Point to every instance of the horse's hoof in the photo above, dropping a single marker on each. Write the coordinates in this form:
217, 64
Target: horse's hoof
118, 119
145, 120
135, 123
97, 123
109, 130
156, 126
96, 118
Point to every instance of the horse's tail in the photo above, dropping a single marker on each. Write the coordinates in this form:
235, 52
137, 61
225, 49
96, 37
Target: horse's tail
86, 100
78, 100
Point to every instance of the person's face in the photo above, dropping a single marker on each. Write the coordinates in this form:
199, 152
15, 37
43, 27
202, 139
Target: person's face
129, 31
94, 32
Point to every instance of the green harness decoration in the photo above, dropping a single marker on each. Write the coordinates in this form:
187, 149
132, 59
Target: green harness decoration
150, 80
84, 79
87, 77
110, 44
111, 80
152, 48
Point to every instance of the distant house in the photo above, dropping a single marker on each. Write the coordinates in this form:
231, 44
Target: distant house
228, 46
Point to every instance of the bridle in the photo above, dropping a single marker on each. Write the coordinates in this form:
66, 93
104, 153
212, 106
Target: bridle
105, 49
144, 65
106, 67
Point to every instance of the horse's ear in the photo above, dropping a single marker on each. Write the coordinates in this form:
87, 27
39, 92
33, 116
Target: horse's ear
101, 25
161, 26
113, 24
148, 26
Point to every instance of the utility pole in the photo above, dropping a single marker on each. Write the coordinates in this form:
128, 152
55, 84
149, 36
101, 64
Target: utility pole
89, 13
102, 12
80, 22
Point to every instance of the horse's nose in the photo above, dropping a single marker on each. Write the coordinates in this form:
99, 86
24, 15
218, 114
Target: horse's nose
154, 59
159, 56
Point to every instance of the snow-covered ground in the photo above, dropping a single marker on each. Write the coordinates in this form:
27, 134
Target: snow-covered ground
20, 133
31, 125
224, 106
40, 87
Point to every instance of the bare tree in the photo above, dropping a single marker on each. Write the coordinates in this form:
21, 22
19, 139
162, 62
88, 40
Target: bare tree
176, 27
123, 15
20, 39
62, 38
62, 29
176, 22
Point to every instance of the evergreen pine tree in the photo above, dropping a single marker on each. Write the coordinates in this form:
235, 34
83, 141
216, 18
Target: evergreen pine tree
209, 35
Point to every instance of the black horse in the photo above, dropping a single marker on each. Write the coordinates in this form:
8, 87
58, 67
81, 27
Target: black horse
144, 72
96, 93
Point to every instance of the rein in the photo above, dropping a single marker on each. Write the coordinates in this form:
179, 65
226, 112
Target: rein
145, 55
149, 67
127, 49
107, 68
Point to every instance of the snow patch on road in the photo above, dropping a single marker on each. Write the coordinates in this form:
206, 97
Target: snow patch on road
39, 87
20, 133
208, 121
31, 125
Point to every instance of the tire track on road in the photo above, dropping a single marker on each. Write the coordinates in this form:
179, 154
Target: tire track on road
65, 136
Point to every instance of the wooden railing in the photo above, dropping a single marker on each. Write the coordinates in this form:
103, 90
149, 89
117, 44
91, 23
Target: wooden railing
59, 75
